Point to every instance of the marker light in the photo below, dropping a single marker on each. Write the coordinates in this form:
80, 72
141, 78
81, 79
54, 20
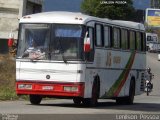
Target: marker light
70, 88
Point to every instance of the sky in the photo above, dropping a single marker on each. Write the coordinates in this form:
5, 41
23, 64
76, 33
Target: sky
74, 5
62, 5
141, 4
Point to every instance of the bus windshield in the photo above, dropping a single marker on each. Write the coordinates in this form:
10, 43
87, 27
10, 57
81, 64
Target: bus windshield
51, 42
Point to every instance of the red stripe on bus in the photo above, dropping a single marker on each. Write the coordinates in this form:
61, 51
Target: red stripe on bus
125, 77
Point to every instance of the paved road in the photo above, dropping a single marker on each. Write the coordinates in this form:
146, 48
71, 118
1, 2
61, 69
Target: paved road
143, 104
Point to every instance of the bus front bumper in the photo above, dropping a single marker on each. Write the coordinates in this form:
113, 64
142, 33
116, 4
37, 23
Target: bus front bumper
50, 89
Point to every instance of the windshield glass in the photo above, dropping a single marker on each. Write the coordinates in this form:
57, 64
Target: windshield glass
51, 42
67, 42
33, 41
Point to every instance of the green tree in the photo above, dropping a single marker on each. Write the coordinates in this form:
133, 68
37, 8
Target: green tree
102, 8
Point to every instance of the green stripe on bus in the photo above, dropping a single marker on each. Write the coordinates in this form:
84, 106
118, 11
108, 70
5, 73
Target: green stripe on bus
122, 76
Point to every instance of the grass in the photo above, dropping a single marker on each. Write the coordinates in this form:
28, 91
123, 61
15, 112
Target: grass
7, 78
7, 93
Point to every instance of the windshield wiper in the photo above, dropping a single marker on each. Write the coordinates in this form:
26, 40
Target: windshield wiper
61, 51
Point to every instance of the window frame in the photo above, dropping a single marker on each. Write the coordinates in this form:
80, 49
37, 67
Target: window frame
138, 44
143, 43
126, 39
101, 35
92, 43
134, 37
118, 36
109, 36
90, 55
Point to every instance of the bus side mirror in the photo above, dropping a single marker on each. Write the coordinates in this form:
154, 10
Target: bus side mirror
87, 45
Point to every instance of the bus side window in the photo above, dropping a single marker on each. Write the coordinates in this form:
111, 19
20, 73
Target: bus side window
91, 36
90, 55
124, 39
132, 39
155, 39
116, 37
138, 41
107, 36
143, 43
149, 38
99, 38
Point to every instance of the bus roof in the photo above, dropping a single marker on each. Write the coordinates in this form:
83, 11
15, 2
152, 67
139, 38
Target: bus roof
55, 17
75, 18
152, 34
131, 24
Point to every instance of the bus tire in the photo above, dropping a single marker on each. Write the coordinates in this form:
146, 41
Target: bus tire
129, 99
120, 100
147, 92
86, 102
93, 101
77, 100
35, 99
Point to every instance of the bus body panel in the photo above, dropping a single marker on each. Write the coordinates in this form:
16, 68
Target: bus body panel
104, 65
111, 67
58, 72
49, 78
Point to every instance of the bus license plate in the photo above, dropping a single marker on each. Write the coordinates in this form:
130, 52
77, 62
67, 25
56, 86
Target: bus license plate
47, 88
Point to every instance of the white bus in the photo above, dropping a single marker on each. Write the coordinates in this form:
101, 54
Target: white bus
72, 55
152, 42
151, 38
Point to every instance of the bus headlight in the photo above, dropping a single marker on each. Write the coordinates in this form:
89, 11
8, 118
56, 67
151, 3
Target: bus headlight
25, 86
70, 88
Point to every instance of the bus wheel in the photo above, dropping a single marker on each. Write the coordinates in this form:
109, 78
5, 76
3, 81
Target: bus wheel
129, 99
35, 99
120, 101
92, 102
77, 100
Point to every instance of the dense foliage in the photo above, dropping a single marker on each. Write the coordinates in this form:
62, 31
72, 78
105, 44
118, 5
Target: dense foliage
109, 9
